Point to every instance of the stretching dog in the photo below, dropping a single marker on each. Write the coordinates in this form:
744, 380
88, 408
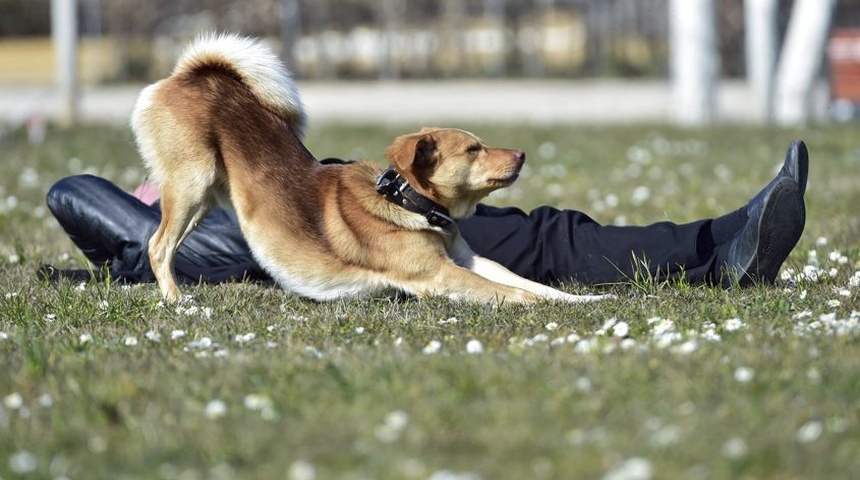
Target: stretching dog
226, 127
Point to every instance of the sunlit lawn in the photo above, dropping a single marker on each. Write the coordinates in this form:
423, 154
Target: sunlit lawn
666, 381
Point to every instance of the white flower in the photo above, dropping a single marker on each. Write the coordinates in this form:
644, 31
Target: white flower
449, 320
85, 338
51, 317
688, 347
585, 345
23, 462
733, 324
605, 327
640, 195
809, 432
4, 336
215, 409
204, 342
130, 341
359, 330
620, 329
103, 305
821, 241
635, 468
833, 303
734, 448
583, 384
302, 470
711, 335
152, 336
744, 374
239, 338
257, 402
811, 273
474, 346
45, 400
392, 426
433, 347
551, 326
177, 334
540, 338
13, 401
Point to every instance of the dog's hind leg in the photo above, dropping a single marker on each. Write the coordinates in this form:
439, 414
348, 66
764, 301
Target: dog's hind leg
182, 208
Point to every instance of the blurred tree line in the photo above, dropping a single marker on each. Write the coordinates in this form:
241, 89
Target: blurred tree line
559, 38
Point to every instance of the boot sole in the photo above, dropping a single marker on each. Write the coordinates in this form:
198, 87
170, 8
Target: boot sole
779, 230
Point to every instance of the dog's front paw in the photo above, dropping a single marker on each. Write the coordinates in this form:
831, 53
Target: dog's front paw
589, 298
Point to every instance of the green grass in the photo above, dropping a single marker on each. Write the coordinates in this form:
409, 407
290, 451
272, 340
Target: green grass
755, 383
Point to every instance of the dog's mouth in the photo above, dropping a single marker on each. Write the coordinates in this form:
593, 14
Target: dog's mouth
505, 181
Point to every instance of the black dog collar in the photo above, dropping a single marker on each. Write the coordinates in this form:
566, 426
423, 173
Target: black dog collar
398, 191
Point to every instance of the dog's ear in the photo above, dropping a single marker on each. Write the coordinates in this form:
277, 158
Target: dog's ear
408, 152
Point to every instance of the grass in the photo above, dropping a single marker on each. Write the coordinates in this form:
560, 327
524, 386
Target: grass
667, 381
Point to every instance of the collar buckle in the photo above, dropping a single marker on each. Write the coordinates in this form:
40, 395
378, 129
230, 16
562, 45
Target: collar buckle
397, 190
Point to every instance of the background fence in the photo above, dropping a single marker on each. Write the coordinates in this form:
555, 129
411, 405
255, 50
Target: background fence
130, 40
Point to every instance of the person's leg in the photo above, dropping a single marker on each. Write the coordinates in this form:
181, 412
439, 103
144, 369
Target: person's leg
111, 227
746, 245
551, 245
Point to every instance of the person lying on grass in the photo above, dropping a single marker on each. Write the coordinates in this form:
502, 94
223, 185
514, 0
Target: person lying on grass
744, 247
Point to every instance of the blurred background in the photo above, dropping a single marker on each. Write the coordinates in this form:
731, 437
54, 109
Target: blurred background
697, 59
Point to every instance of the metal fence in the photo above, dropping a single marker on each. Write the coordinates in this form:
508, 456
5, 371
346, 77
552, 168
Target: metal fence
328, 39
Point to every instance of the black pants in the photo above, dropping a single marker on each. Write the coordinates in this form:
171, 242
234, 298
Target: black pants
548, 245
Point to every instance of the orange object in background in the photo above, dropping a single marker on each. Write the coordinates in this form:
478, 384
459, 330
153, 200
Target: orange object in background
843, 57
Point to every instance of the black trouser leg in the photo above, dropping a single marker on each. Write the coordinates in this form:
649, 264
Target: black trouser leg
112, 227
551, 245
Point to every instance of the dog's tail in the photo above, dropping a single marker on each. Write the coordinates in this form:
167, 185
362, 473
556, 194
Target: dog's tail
255, 64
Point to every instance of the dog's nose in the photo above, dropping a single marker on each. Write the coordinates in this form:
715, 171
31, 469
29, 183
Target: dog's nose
520, 155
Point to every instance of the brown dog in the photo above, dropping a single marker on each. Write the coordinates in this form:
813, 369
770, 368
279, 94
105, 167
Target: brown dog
226, 127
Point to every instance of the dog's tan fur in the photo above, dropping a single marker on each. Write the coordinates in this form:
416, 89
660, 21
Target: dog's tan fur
226, 127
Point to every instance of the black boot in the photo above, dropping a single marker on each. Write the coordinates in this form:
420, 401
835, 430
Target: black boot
112, 228
775, 221
107, 224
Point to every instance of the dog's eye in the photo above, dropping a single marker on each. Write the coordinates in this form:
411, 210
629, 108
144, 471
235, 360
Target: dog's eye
474, 148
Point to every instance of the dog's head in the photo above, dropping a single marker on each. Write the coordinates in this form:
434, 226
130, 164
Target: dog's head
453, 167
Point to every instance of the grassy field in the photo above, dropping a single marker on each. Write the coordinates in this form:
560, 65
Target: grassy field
665, 381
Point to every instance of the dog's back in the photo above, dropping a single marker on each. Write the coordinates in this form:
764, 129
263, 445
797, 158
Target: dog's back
217, 76
225, 127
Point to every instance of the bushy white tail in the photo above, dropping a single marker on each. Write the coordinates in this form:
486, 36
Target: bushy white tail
258, 66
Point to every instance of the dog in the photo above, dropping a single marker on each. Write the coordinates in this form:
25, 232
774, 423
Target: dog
226, 127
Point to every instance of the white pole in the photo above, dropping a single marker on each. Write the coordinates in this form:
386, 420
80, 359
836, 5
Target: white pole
291, 30
761, 50
694, 61
800, 62
64, 29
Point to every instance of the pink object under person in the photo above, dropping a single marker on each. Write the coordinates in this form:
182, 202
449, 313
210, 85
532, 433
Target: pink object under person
146, 192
